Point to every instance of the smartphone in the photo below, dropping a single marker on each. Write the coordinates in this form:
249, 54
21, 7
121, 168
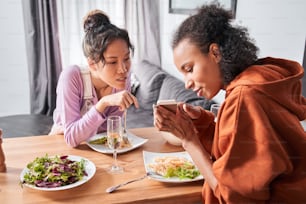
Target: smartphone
169, 104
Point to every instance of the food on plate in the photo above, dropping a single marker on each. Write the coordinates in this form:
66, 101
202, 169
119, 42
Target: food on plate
56, 171
103, 141
174, 167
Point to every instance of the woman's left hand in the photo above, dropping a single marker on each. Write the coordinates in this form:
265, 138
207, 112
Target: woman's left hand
180, 123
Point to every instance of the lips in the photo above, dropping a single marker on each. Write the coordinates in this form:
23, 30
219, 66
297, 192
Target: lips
122, 79
198, 91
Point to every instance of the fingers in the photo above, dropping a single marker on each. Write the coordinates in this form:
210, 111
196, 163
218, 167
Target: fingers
135, 101
163, 119
127, 100
180, 123
193, 112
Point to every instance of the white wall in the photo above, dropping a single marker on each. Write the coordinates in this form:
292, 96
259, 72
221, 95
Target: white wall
14, 85
278, 27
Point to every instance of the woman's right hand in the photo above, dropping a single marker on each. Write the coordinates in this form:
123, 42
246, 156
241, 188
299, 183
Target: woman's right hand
123, 99
194, 112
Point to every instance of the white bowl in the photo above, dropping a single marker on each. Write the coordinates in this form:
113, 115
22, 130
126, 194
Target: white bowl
170, 138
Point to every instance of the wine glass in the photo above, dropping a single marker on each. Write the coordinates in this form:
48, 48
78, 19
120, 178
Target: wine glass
114, 138
214, 108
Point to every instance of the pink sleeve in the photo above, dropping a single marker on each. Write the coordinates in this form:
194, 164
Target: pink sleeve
69, 102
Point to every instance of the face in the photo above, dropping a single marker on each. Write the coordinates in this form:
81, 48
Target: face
201, 71
114, 72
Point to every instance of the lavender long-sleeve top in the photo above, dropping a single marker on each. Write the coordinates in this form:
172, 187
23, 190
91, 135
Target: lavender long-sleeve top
77, 127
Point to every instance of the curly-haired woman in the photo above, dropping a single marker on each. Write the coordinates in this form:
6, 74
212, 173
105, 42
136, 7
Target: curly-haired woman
85, 97
256, 151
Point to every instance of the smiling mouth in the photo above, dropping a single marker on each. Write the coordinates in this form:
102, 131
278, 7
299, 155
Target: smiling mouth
122, 79
198, 91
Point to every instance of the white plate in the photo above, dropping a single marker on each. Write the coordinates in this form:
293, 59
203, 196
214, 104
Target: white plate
149, 157
134, 140
90, 169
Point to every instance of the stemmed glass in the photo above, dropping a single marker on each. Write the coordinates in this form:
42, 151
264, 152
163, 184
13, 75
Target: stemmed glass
214, 108
114, 138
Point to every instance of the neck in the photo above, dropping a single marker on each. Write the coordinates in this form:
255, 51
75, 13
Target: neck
102, 89
98, 83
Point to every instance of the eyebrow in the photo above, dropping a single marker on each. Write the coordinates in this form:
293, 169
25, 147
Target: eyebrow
115, 57
111, 57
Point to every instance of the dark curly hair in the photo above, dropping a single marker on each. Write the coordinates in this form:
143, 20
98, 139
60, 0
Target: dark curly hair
99, 33
211, 24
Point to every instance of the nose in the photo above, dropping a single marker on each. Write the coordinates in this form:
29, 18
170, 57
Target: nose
122, 68
188, 84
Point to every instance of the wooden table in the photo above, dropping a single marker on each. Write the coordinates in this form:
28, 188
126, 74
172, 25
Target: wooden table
19, 151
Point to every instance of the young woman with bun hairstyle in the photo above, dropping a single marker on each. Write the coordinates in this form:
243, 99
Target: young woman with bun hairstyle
86, 96
256, 150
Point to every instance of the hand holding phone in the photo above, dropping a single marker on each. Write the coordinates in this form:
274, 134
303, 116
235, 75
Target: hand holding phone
168, 104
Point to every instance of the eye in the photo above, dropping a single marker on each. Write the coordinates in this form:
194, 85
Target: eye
127, 59
188, 68
111, 62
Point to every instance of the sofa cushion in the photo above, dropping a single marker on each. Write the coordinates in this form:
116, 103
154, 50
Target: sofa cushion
150, 77
137, 118
25, 125
173, 88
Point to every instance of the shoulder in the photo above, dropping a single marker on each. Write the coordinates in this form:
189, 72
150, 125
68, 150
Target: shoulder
71, 77
243, 98
244, 94
72, 71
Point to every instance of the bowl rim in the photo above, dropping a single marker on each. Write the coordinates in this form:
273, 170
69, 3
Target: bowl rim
177, 141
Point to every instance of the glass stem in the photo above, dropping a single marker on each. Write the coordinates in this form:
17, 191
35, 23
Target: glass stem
115, 158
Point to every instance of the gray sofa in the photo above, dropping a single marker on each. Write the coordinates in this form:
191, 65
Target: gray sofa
151, 84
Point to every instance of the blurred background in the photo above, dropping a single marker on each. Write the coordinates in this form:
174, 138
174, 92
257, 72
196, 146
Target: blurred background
278, 28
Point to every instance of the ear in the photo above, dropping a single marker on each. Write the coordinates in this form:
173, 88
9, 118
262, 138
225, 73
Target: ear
92, 64
215, 52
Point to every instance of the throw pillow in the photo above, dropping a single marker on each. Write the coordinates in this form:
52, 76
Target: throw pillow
150, 77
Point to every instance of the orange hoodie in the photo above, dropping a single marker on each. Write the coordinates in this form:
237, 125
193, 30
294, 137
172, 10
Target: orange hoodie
258, 143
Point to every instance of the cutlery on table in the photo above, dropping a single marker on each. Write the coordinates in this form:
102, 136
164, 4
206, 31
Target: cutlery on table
113, 188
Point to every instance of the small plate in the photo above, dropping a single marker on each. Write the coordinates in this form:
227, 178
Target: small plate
90, 169
134, 140
149, 157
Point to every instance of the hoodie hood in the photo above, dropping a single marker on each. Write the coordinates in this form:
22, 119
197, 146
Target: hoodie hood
278, 79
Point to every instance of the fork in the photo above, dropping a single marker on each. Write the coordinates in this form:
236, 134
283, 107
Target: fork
113, 188
125, 137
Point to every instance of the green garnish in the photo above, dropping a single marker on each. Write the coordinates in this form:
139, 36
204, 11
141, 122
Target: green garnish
101, 140
187, 170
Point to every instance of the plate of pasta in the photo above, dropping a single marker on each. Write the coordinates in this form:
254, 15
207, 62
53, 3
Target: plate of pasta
174, 167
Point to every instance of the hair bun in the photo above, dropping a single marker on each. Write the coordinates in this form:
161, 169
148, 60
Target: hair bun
95, 20
218, 13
